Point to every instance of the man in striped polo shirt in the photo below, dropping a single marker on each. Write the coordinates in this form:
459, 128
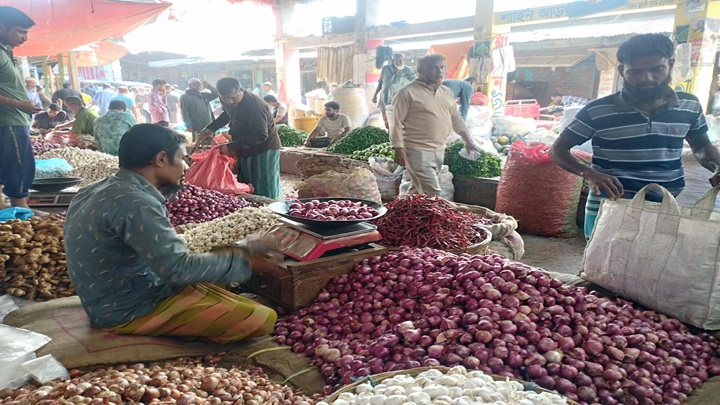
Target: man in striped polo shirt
637, 134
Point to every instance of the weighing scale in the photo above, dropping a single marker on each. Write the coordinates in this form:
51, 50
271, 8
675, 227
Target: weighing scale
60, 198
305, 242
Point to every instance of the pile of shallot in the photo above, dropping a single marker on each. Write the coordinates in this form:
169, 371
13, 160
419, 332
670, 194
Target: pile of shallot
184, 381
194, 204
40, 146
332, 210
424, 307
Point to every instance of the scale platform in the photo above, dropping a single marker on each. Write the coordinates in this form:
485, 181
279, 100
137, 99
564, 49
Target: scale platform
53, 199
304, 242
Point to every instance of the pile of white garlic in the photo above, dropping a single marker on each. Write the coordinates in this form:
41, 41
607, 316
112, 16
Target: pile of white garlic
90, 165
229, 229
433, 387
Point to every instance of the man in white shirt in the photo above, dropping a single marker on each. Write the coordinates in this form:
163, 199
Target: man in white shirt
330, 128
425, 114
279, 110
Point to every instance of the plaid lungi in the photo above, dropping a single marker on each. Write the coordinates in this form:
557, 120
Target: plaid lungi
204, 310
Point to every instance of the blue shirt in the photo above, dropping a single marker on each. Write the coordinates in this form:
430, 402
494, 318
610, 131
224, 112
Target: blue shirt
636, 147
129, 102
123, 256
102, 99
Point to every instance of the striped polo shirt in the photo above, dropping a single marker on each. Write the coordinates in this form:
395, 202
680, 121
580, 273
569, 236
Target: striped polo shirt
636, 147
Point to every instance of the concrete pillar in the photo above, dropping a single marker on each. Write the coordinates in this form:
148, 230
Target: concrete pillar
489, 37
61, 71
73, 71
359, 52
693, 25
287, 60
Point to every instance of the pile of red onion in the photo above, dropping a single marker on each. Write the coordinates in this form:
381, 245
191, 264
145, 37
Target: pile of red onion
194, 204
40, 146
332, 210
424, 307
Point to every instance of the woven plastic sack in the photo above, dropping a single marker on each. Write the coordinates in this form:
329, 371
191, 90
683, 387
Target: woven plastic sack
359, 183
659, 255
388, 175
213, 170
52, 168
540, 195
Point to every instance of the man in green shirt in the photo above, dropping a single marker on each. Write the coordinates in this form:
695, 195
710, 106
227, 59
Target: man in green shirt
84, 121
111, 127
17, 164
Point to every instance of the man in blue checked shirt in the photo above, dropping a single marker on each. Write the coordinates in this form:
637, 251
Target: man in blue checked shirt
638, 133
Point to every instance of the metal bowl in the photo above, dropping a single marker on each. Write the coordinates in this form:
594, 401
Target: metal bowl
281, 208
54, 184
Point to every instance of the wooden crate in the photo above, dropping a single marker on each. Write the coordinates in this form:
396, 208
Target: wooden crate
295, 284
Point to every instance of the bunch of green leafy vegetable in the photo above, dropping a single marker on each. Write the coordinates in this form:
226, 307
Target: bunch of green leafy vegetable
290, 136
487, 165
359, 139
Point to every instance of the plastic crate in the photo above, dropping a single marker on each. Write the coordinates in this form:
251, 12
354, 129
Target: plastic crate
523, 108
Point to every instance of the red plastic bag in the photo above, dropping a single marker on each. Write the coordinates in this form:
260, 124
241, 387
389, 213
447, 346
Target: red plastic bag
212, 170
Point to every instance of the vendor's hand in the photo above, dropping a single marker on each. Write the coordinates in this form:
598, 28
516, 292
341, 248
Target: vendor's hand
204, 135
27, 107
599, 182
259, 249
400, 156
472, 147
374, 99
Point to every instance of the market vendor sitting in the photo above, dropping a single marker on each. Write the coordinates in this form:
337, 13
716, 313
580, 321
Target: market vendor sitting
279, 109
84, 117
330, 128
110, 128
46, 121
134, 274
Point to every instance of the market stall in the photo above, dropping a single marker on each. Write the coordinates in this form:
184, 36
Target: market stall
392, 291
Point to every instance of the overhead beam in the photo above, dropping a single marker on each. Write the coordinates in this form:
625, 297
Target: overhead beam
393, 31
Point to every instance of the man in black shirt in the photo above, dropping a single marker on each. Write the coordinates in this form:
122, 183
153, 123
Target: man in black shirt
64, 93
46, 121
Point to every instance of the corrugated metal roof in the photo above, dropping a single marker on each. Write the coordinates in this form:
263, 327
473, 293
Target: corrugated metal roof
597, 29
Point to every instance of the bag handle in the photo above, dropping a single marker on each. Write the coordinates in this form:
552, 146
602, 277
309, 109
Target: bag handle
668, 205
705, 205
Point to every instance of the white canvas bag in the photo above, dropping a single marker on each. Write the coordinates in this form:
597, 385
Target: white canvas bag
660, 255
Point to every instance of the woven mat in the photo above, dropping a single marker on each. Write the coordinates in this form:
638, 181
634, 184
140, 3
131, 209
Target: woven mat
75, 343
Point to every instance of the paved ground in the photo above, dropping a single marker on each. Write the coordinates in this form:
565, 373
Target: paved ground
554, 254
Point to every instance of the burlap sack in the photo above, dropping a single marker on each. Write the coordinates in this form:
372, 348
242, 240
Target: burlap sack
75, 343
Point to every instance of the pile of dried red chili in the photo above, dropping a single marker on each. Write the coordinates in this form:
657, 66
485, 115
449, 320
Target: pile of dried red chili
419, 220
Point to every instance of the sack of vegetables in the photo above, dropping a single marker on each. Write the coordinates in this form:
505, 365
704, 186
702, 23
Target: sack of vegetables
359, 139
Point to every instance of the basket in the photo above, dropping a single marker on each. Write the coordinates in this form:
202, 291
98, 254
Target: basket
378, 378
502, 224
480, 248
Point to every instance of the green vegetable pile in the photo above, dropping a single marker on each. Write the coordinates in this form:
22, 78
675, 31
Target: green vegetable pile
359, 139
487, 165
290, 136
382, 150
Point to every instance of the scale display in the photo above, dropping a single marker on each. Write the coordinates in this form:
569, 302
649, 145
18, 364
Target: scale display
58, 199
302, 242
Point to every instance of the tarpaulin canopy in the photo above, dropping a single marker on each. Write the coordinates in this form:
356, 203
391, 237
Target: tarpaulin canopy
98, 54
62, 25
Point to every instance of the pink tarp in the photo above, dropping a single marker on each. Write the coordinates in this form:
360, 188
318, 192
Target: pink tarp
62, 25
